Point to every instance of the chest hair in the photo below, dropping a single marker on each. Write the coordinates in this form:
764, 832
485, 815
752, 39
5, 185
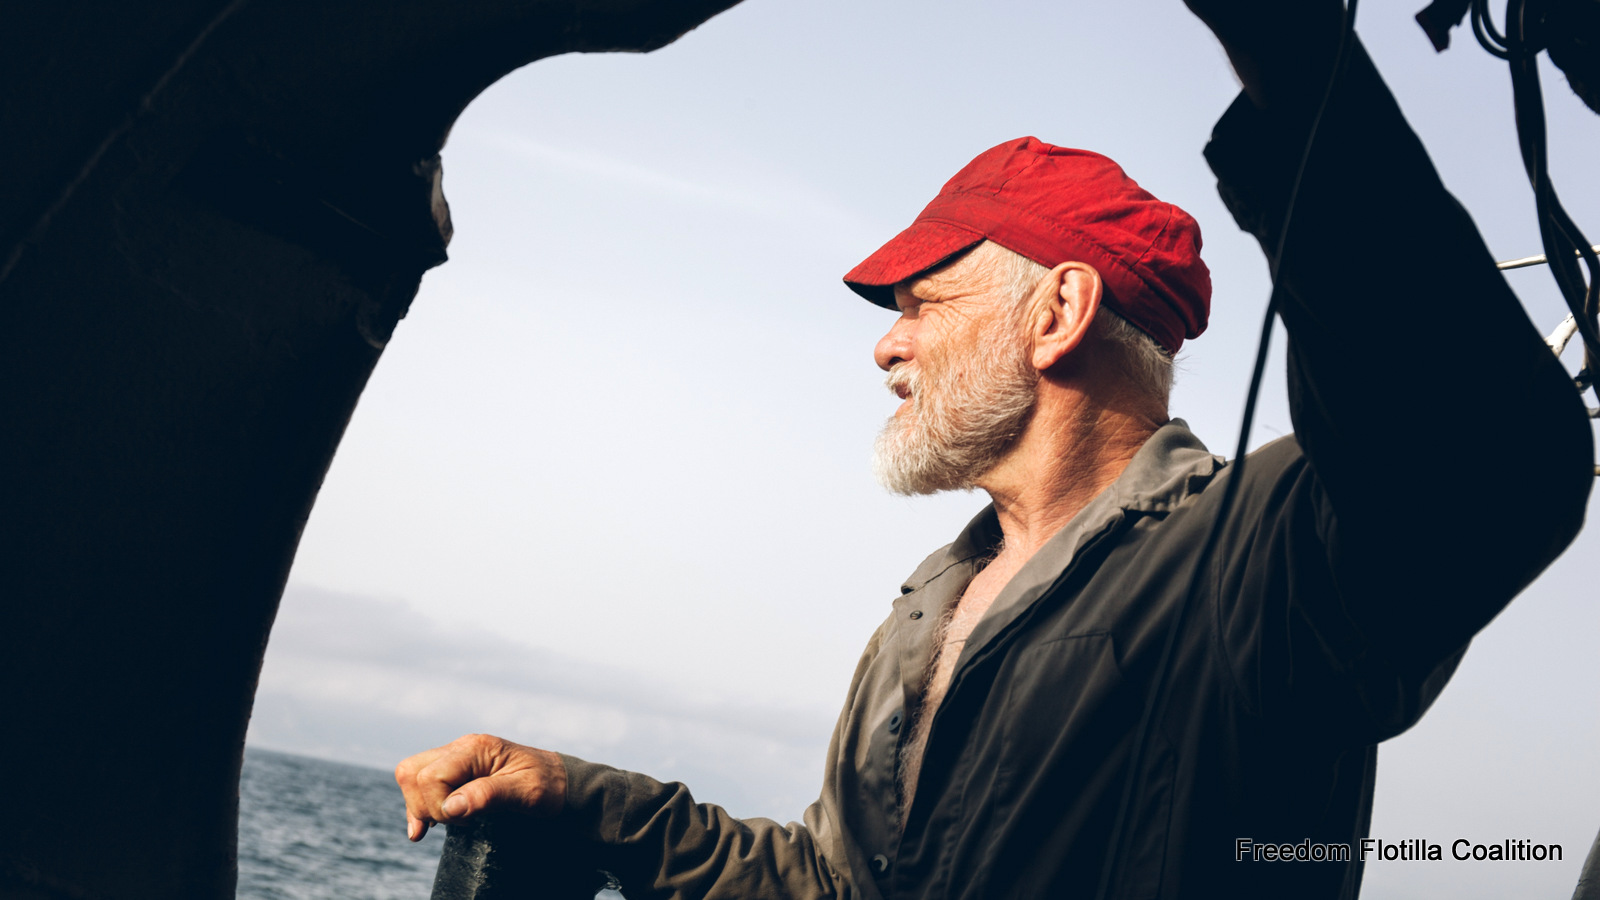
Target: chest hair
955, 626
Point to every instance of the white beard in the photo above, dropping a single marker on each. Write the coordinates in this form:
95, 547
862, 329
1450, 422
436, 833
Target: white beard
965, 413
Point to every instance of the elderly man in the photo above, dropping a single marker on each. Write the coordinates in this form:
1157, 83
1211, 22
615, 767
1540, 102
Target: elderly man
986, 744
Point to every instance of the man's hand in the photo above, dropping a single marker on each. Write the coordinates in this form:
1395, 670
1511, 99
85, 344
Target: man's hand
478, 772
1283, 52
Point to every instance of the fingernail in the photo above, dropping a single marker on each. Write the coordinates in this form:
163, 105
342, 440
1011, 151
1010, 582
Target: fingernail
455, 806
411, 828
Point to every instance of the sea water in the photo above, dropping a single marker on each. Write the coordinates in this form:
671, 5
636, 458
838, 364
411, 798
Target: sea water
316, 830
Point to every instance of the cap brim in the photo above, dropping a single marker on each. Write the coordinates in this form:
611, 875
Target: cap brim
924, 245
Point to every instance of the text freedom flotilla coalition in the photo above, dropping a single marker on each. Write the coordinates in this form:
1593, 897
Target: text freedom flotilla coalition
1245, 849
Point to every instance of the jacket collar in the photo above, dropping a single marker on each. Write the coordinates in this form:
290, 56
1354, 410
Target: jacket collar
1170, 466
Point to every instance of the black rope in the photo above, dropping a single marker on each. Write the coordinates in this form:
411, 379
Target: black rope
1564, 243
1158, 693
1483, 28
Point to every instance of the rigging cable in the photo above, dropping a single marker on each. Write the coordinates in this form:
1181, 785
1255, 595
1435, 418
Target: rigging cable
1564, 243
1488, 36
1158, 692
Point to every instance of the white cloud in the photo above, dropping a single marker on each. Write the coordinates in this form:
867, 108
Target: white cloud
372, 681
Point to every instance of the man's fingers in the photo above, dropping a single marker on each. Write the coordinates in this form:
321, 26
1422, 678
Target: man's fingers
475, 773
531, 781
405, 775
464, 760
476, 796
419, 778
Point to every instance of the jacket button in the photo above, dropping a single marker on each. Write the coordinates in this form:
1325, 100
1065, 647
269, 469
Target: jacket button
880, 864
894, 723
916, 614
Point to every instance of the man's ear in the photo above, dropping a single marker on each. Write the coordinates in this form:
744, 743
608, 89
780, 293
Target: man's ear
1063, 308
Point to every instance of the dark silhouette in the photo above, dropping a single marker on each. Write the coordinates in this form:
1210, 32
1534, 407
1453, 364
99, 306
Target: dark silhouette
213, 215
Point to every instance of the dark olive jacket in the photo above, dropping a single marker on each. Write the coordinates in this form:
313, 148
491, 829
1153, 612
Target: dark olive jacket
1441, 460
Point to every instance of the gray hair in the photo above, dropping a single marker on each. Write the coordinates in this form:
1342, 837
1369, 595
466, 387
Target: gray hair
1148, 367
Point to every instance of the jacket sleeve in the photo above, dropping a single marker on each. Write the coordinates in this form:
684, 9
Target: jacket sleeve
661, 843
1448, 459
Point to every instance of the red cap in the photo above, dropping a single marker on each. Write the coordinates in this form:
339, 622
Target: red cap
1053, 204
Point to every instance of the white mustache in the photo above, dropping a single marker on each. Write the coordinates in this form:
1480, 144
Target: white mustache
902, 376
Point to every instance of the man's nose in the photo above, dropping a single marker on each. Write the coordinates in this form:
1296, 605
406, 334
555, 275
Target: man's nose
893, 347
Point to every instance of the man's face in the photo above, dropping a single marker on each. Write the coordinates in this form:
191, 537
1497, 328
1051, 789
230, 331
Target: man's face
958, 359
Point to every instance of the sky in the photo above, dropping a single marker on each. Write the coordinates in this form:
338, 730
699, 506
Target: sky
609, 492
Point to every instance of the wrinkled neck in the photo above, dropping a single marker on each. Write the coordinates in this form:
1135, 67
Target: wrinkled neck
1073, 449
